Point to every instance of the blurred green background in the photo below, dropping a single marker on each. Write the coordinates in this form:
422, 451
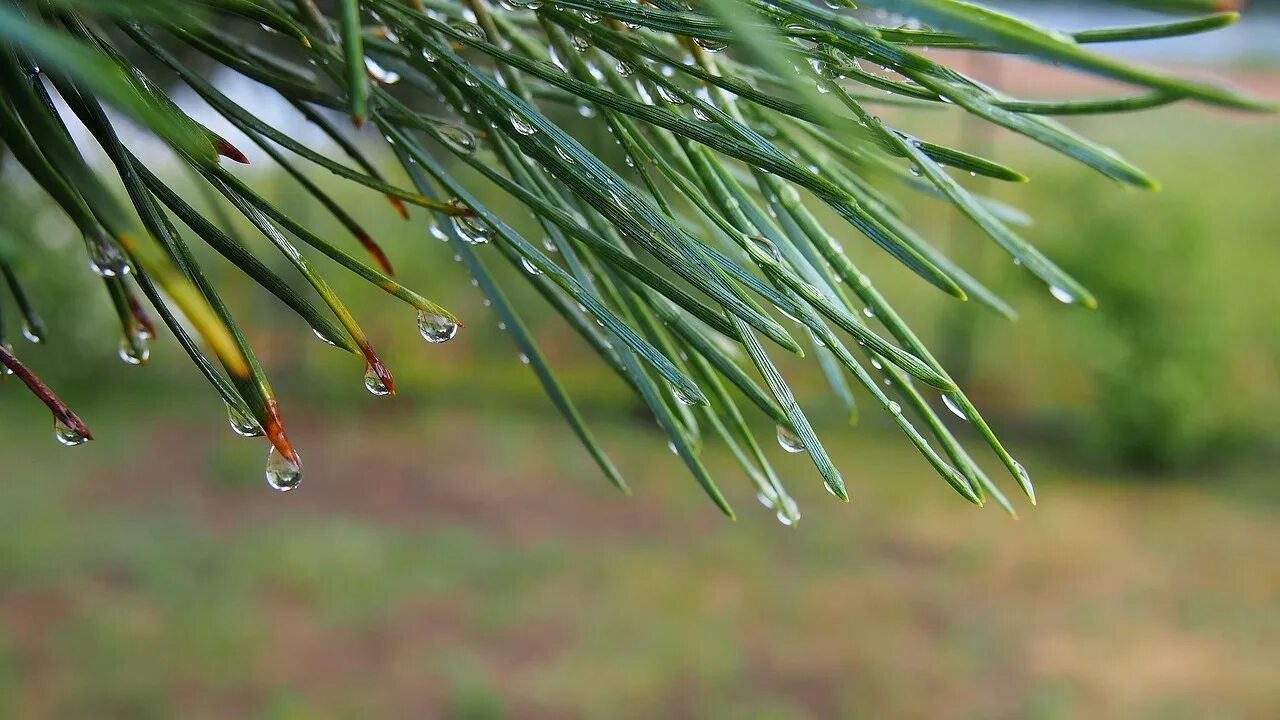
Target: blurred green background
454, 553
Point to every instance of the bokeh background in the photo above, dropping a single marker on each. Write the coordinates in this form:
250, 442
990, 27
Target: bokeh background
454, 553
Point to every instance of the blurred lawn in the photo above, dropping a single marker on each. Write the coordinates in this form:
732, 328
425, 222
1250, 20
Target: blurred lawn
453, 553
491, 573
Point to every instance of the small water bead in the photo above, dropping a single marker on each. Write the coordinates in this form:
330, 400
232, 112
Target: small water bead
713, 46
521, 126
5, 369
529, 267
895, 408
580, 43
681, 397
701, 114
134, 351
469, 29
436, 328
624, 68
766, 246
33, 333
788, 511
560, 153
1023, 475
242, 423
1061, 295
868, 312
459, 139
521, 4
524, 359
105, 258
789, 441
67, 435
669, 95
590, 18
438, 234
380, 74
282, 473
374, 383
471, 229
950, 402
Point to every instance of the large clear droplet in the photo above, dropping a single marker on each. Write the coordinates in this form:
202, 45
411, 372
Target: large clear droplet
1022, 473
766, 246
134, 351
436, 328
242, 423
681, 397
374, 383
460, 139
68, 435
380, 74
521, 125
952, 406
788, 512
471, 229
1061, 295
282, 473
33, 333
105, 257
789, 441
529, 267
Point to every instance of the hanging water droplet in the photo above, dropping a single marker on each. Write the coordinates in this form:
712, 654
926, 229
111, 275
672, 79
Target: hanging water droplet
374, 383
580, 43
471, 30
471, 229
282, 473
379, 73
105, 257
68, 435
671, 445
436, 328
766, 246
242, 423
681, 397
529, 267
5, 369
710, 45
590, 18
323, 339
788, 511
868, 312
789, 440
669, 95
33, 333
1022, 473
895, 408
624, 68
522, 126
524, 359
1061, 295
134, 351
564, 155
460, 139
701, 114
952, 406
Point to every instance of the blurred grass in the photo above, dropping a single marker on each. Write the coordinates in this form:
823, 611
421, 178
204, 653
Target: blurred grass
454, 553
494, 575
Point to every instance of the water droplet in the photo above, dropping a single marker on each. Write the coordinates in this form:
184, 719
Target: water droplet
710, 45
33, 333
242, 423
590, 18
134, 351
105, 257
1061, 295
669, 95
766, 246
5, 369
436, 328
282, 473
522, 126
471, 229
529, 267
323, 339
624, 68
1022, 473
895, 408
524, 359
67, 435
788, 511
789, 440
868, 312
580, 43
471, 30
460, 139
671, 445
379, 73
373, 383
681, 397
564, 155
952, 406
